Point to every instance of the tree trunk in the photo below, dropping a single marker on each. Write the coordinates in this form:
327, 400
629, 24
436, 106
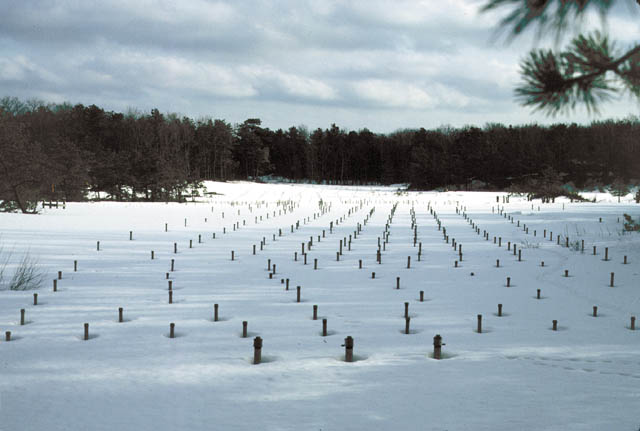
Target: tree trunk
16, 193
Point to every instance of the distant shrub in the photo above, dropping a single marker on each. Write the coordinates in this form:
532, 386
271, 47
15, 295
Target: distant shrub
630, 225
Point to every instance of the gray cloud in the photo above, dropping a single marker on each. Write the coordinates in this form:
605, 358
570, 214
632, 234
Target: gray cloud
369, 63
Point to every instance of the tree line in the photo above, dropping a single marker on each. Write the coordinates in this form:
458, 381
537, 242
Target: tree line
64, 152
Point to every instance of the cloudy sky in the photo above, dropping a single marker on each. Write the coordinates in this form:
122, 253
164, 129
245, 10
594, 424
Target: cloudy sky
378, 64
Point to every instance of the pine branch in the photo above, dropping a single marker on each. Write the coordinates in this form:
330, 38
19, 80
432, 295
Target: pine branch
554, 82
548, 15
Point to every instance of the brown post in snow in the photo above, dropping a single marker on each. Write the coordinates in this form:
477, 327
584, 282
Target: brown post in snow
257, 350
348, 349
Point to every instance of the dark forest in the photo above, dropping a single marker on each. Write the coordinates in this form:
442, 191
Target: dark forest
63, 152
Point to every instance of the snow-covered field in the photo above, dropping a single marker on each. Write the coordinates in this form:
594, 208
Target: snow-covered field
518, 374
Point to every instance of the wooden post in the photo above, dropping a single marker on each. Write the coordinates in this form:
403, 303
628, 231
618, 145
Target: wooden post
315, 263
595, 311
315, 312
215, 312
508, 281
297, 293
422, 296
437, 347
397, 282
35, 299
199, 238
520, 255
408, 262
348, 349
245, 324
373, 275
172, 264
175, 248
172, 330
170, 284
497, 263
171, 297
190, 243
305, 258
22, 316
55, 285
594, 250
406, 309
130, 235
455, 264
152, 255
86, 331
407, 321
479, 329
257, 350
538, 294
166, 227
625, 260
98, 246
499, 310
360, 264
566, 273
324, 327
120, 317
555, 325
75, 266
633, 323
611, 284
287, 284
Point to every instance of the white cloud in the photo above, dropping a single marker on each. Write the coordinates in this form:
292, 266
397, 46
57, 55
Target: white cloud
394, 94
15, 68
289, 83
174, 74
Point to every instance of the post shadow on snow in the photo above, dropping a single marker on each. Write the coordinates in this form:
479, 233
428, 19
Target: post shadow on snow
91, 337
264, 359
485, 330
443, 355
176, 334
330, 332
356, 358
250, 334
411, 331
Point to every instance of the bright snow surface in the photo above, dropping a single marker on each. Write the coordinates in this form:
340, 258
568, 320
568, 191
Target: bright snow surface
518, 374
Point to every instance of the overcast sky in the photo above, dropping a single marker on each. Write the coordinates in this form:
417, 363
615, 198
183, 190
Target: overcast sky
378, 64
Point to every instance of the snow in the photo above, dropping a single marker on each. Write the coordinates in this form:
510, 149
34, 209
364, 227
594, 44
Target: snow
516, 374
